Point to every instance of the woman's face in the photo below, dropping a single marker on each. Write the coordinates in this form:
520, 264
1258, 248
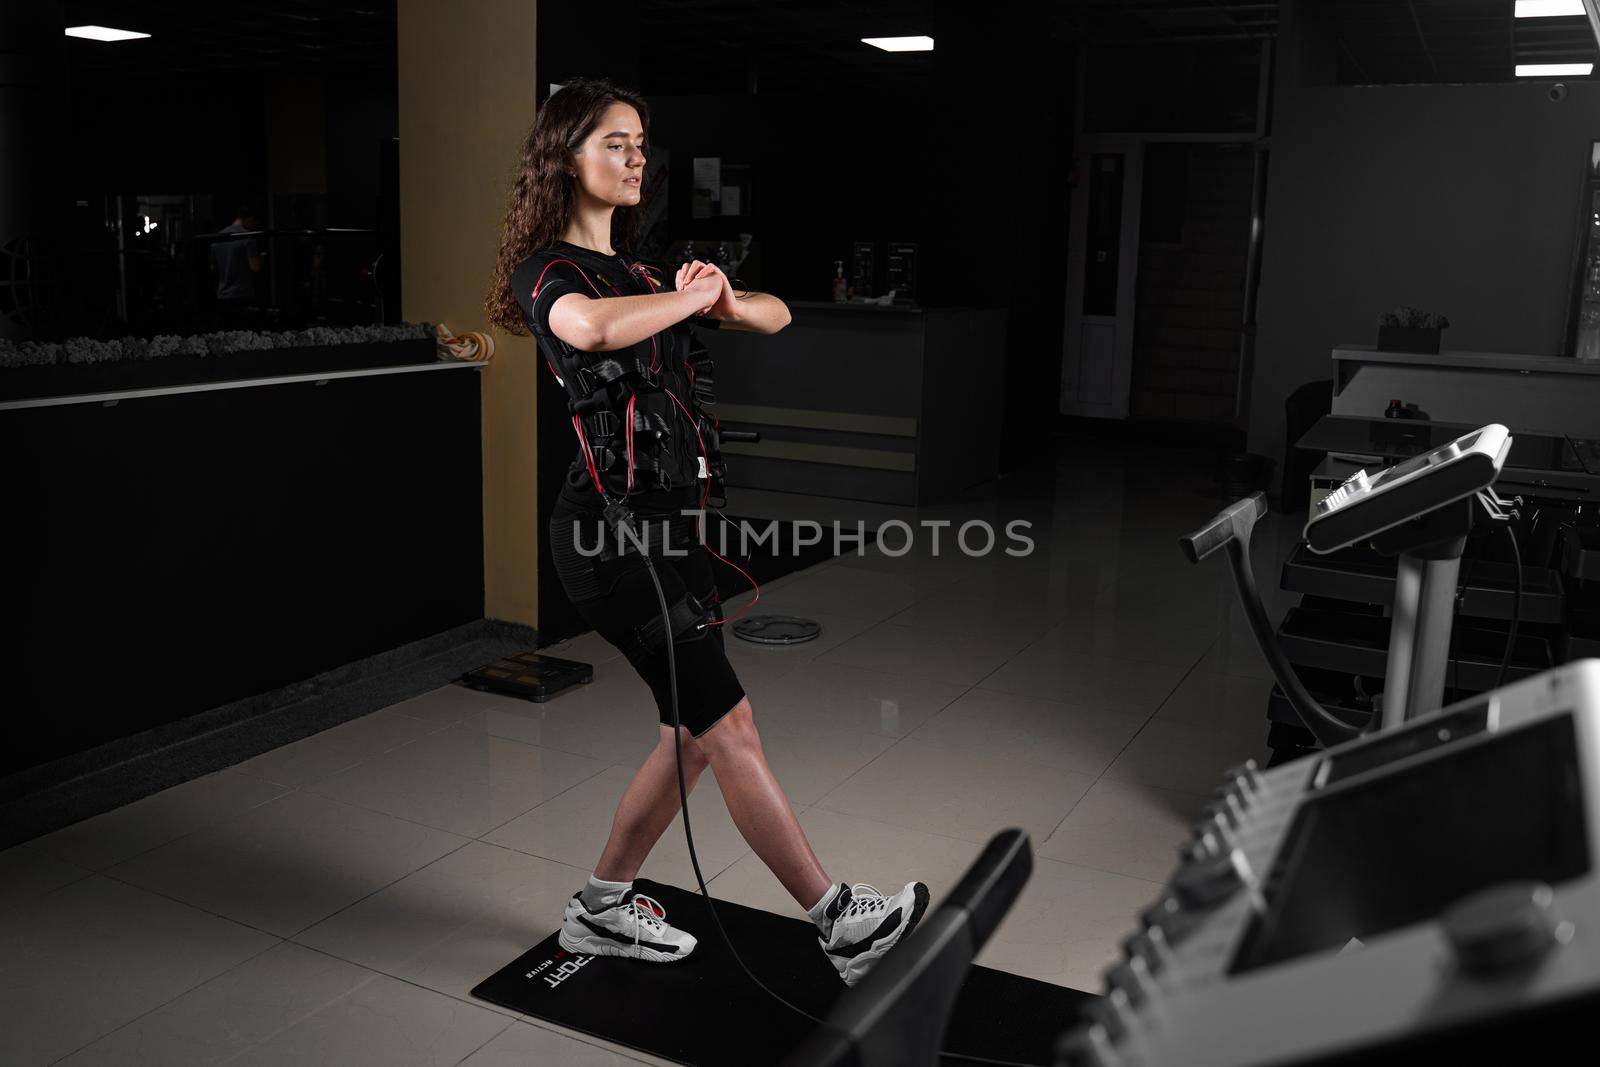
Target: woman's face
610, 162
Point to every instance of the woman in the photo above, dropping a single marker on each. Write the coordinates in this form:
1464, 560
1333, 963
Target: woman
615, 338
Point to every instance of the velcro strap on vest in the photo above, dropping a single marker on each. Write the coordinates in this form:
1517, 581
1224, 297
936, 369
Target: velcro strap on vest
688, 620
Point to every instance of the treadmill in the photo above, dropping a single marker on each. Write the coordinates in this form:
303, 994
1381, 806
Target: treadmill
1420, 511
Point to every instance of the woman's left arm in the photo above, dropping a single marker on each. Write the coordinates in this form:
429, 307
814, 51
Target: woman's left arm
759, 313
753, 311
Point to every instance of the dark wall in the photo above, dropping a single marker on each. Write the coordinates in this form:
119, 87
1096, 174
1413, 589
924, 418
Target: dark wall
1307, 51
1176, 88
32, 110
172, 554
586, 40
207, 135
164, 134
1001, 111
822, 176
304, 147
361, 112
1460, 199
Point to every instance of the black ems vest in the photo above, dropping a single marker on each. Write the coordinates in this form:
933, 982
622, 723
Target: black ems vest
665, 381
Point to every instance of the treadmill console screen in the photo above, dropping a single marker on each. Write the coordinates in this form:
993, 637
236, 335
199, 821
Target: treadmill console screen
1365, 506
1506, 807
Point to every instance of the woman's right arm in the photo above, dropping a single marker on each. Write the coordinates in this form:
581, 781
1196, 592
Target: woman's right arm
616, 322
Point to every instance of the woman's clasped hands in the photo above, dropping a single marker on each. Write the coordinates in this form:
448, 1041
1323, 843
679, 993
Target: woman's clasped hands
707, 278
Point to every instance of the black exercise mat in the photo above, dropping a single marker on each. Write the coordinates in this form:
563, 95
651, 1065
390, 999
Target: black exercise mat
706, 1011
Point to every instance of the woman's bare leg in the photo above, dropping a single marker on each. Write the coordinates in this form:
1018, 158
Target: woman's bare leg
648, 806
759, 807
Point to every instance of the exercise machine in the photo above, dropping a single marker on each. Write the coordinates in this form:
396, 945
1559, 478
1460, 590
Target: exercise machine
1426, 891
1419, 510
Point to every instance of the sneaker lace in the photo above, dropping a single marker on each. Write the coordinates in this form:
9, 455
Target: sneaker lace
647, 912
865, 900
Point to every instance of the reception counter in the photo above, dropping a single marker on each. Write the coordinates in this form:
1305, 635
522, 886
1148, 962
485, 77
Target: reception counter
864, 402
190, 534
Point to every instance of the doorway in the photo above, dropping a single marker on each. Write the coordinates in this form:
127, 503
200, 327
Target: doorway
1194, 246
1159, 278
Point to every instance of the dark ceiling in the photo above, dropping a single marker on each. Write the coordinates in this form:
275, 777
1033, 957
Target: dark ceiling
1381, 42
815, 40
230, 35
688, 41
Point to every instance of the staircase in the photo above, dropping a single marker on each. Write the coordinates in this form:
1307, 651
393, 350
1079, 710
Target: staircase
1190, 292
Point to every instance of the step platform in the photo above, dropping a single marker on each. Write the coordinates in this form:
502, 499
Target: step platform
706, 1011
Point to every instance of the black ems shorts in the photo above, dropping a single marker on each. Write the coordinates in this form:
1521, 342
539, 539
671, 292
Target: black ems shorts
618, 599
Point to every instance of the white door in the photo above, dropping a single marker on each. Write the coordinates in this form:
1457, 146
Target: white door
1102, 268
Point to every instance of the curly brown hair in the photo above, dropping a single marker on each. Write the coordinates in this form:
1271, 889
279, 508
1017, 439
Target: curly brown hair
543, 195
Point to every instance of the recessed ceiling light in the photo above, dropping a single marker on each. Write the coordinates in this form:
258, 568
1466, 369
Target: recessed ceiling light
1544, 9
103, 33
900, 44
1554, 70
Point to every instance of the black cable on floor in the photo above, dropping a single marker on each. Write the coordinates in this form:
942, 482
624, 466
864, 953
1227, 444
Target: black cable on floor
694, 860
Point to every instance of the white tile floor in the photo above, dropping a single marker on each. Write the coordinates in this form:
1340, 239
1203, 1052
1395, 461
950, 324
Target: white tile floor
333, 901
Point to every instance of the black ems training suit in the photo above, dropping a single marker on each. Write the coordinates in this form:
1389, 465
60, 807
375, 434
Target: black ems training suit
654, 382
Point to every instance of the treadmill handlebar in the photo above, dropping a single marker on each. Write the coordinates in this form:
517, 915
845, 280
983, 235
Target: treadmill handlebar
1233, 522
897, 1015
1231, 530
993, 883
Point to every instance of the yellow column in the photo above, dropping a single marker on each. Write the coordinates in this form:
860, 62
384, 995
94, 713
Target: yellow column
466, 84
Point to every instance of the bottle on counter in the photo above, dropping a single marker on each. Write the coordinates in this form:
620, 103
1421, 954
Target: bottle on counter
840, 286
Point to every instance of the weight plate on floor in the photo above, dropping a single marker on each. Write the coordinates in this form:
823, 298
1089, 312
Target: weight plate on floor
776, 629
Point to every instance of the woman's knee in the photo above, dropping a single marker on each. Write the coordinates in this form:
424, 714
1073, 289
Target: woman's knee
735, 730
694, 757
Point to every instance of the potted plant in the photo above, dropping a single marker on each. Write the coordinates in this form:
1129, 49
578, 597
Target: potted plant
1409, 329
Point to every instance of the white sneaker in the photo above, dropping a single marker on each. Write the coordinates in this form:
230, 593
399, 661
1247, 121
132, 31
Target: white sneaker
867, 924
636, 928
